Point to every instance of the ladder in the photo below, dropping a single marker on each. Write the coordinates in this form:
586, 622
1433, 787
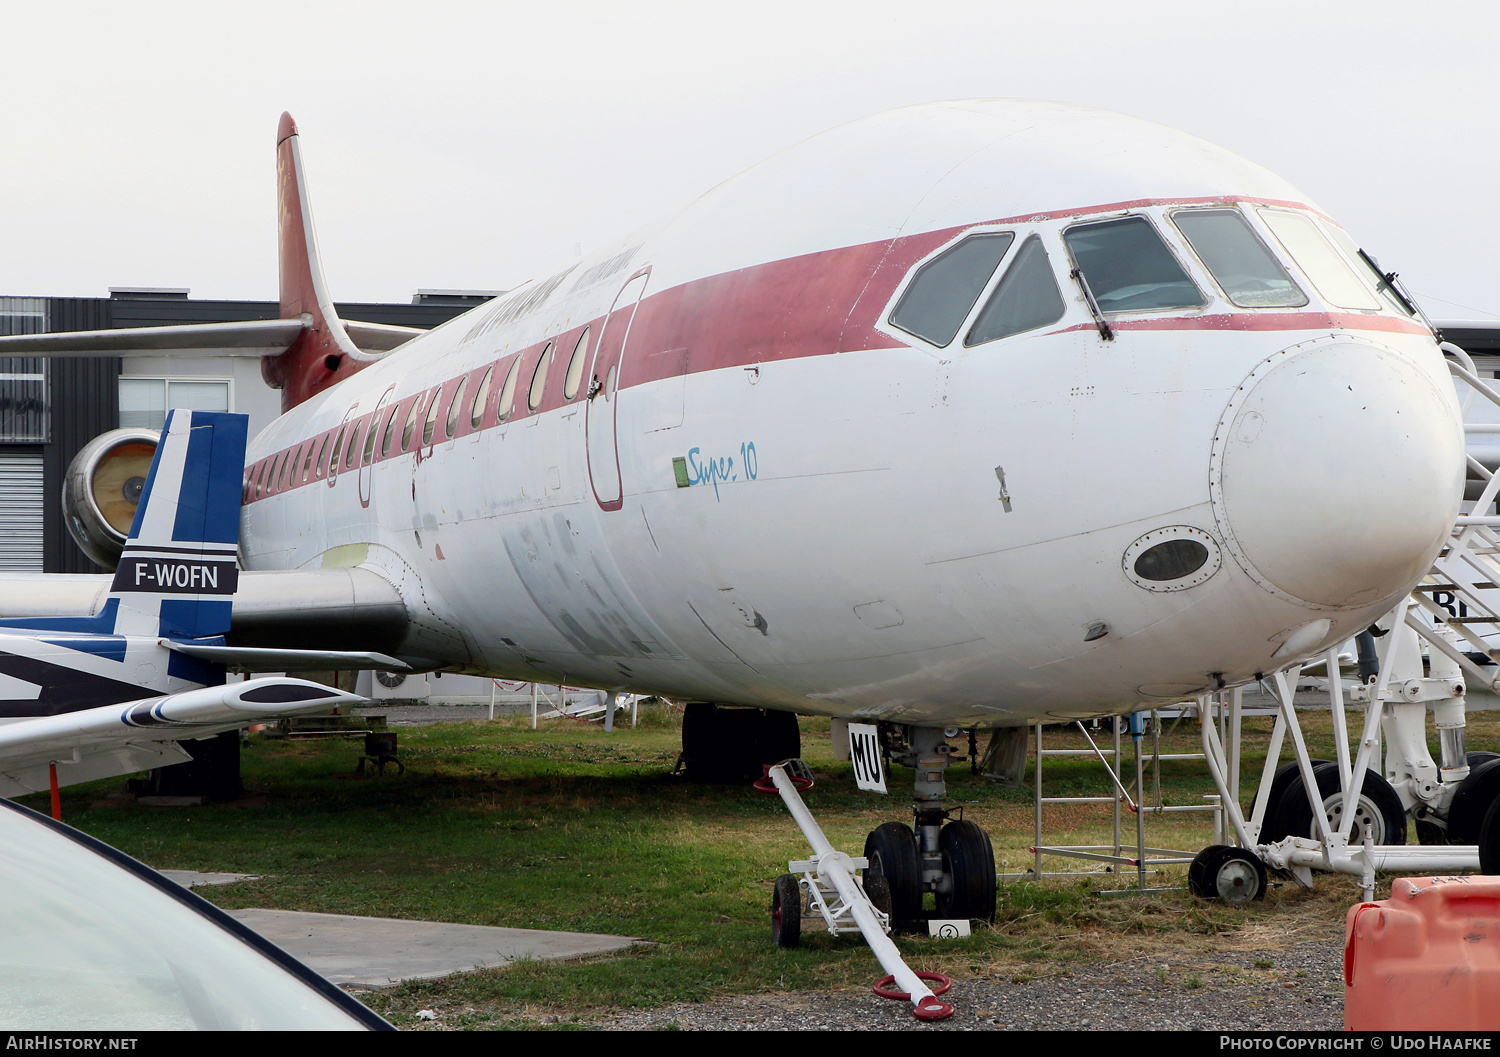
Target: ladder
1143, 857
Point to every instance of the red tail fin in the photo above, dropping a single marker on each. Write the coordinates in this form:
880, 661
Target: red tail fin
323, 354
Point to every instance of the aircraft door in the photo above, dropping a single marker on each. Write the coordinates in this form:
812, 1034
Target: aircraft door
336, 458
368, 453
602, 414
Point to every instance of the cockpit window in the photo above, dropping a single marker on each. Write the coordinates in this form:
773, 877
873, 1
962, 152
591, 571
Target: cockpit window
942, 293
1129, 268
1026, 298
1225, 243
1383, 286
1319, 261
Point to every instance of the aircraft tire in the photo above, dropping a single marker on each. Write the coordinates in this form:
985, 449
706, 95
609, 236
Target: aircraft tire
879, 893
892, 850
726, 746
1231, 875
701, 742
1377, 801
1489, 840
786, 912
969, 860
1274, 828
1472, 800
780, 737
1430, 832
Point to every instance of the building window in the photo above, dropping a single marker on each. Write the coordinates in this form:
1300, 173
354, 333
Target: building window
144, 401
23, 379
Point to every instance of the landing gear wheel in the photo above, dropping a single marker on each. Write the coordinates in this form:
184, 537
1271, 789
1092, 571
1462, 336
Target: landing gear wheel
892, 851
1378, 805
1274, 828
725, 746
1489, 841
877, 890
780, 737
1429, 832
1231, 875
1472, 799
969, 862
786, 911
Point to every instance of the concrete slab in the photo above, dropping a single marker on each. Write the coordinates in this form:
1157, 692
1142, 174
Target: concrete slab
200, 878
381, 952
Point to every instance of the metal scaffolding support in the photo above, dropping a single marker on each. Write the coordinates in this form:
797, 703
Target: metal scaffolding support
1453, 615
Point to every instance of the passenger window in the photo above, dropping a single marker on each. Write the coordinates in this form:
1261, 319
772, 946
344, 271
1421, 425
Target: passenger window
574, 377
1129, 268
477, 415
371, 432
507, 393
309, 457
353, 445
411, 422
390, 430
1239, 261
288, 469
507, 403
1319, 261
322, 446
431, 423
338, 448
941, 294
453, 407
1026, 298
539, 379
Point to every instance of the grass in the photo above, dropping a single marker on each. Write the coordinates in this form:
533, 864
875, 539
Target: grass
570, 828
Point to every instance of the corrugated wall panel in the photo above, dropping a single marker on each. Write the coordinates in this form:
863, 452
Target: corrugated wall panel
21, 510
85, 403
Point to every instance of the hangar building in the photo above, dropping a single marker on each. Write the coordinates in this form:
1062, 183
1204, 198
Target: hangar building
50, 408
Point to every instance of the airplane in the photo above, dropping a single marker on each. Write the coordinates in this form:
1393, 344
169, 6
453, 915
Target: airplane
118, 691
964, 415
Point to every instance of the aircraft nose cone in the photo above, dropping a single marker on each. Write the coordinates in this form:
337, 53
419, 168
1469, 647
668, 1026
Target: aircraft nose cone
1337, 471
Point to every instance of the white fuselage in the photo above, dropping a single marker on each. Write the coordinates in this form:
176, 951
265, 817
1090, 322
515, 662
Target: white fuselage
873, 525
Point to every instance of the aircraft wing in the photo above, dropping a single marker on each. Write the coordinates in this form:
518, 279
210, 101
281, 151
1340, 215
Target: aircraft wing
258, 337
251, 659
335, 609
119, 739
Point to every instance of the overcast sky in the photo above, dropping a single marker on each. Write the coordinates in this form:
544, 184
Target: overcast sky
474, 145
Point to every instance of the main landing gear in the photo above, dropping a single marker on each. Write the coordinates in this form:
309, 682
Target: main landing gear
725, 746
952, 858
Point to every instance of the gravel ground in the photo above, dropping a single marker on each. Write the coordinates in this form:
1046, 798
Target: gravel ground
1302, 990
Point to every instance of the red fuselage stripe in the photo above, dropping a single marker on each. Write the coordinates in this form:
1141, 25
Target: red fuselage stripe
815, 304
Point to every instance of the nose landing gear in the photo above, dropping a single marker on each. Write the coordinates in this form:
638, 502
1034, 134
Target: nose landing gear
952, 858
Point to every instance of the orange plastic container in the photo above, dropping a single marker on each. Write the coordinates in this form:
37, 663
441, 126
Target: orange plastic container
1428, 958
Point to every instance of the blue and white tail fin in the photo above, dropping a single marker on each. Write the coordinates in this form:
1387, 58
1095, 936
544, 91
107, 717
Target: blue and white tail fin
177, 575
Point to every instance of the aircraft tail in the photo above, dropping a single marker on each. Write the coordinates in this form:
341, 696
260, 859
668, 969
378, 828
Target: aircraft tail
177, 574
323, 353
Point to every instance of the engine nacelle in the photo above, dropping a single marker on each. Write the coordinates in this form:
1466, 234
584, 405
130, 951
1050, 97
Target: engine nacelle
102, 489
